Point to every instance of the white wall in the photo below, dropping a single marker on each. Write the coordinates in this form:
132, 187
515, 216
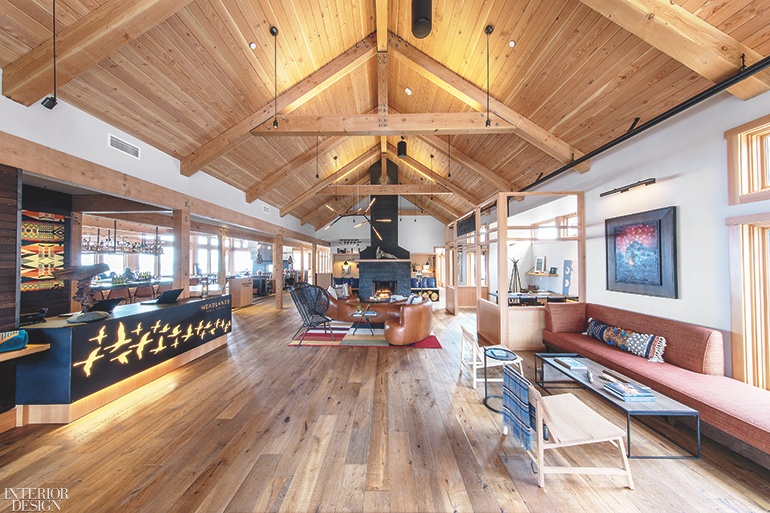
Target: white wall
688, 157
72, 131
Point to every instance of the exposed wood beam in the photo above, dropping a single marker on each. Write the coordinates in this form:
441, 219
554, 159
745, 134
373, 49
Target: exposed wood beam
468, 93
383, 190
265, 186
439, 210
392, 124
341, 206
91, 222
381, 11
467, 162
83, 44
471, 200
382, 90
286, 102
366, 158
684, 36
105, 204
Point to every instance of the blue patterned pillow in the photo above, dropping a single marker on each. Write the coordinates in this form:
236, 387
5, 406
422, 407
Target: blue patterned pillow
13, 340
596, 329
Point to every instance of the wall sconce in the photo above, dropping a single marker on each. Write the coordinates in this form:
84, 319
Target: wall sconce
626, 188
426, 267
345, 267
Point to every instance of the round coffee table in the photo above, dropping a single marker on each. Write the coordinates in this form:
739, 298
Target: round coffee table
504, 355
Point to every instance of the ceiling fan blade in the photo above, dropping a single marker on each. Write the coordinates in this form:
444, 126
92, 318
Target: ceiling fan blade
376, 232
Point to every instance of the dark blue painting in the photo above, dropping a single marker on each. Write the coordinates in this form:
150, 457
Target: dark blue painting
637, 253
641, 253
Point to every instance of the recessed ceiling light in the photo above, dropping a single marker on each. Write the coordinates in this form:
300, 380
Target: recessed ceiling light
511, 43
408, 91
253, 45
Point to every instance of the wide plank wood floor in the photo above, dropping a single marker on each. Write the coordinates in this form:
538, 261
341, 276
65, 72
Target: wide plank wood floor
259, 427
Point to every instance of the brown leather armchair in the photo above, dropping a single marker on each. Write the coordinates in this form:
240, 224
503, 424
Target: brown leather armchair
412, 324
343, 309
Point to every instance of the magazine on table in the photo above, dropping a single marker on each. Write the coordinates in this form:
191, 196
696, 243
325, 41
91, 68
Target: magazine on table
629, 391
570, 363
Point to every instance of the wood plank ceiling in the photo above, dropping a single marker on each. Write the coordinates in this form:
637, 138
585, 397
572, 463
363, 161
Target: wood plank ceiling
182, 77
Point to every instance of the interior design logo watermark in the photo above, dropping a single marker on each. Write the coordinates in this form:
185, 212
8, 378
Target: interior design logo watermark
36, 499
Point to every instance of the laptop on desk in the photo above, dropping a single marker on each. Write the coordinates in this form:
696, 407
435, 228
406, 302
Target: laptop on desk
168, 297
105, 305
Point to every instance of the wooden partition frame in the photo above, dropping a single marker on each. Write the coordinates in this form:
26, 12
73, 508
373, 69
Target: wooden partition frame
500, 316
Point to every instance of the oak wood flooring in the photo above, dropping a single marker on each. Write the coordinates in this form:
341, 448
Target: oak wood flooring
257, 426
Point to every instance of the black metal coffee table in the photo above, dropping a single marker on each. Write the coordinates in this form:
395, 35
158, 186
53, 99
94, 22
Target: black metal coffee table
663, 406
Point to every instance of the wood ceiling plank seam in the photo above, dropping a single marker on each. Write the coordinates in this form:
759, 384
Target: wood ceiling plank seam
423, 171
592, 37
92, 95
439, 145
445, 211
478, 43
82, 45
299, 93
96, 86
555, 63
172, 105
25, 30
289, 26
263, 188
213, 75
239, 30
215, 23
240, 160
10, 50
308, 33
215, 99
161, 85
721, 15
528, 130
534, 41
190, 19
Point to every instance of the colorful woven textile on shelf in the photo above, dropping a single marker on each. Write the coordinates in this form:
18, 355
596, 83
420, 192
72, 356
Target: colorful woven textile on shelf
517, 412
42, 250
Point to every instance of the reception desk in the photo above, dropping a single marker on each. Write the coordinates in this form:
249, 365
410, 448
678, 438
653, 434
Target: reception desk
89, 365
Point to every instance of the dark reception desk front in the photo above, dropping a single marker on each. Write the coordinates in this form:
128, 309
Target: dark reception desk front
87, 359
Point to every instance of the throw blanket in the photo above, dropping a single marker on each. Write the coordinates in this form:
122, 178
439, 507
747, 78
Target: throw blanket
517, 412
13, 340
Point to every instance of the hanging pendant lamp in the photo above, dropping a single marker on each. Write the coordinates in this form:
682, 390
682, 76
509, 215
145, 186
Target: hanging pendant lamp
401, 147
274, 32
488, 31
49, 102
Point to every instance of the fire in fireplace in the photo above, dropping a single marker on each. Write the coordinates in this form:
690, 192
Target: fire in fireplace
384, 289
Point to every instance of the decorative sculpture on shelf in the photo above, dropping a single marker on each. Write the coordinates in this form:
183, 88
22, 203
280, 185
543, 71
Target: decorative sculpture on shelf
514, 285
82, 274
384, 255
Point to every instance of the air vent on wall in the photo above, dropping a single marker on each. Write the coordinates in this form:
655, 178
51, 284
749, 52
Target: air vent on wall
125, 147
265, 209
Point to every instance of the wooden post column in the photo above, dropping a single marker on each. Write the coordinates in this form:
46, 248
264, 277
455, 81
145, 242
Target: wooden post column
278, 271
222, 271
10, 242
181, 226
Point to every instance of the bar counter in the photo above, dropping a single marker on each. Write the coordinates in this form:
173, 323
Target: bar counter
90, 364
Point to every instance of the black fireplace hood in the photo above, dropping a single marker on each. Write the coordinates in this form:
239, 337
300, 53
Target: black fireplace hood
384, 207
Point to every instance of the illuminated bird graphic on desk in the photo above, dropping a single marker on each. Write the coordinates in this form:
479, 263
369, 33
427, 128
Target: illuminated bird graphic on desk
138, 329
188, 334
160, 347
89, 362
122, 340
122, 357
142, 342
101, 336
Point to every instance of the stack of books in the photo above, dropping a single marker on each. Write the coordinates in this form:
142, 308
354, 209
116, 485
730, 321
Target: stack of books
570, 363
629, 392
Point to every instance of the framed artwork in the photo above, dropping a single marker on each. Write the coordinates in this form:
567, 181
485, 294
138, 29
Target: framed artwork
641, 253
553, 270
42, 250
540, 264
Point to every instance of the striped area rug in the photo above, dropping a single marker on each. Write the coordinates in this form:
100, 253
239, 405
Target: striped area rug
344, 336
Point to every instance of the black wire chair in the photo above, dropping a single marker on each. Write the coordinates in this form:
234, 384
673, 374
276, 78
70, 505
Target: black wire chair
312, 304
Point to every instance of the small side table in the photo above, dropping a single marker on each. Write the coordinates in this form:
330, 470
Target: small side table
504, 355
362, 317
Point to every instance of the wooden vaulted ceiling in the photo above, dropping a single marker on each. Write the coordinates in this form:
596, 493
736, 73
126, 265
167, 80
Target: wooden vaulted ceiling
180, 75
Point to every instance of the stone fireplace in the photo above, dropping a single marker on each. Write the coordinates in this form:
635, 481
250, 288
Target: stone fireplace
384, 288
399, 273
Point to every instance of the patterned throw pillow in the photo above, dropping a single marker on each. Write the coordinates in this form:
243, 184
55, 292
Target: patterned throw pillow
647, 346
342, 291
332, 292
596, 329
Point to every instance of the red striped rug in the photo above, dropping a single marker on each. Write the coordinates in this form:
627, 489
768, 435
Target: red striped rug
344, 336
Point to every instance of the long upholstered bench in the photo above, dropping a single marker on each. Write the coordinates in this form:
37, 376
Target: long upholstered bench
692, 372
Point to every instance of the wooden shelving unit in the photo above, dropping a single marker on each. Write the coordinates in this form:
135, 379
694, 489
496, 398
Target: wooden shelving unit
533, 273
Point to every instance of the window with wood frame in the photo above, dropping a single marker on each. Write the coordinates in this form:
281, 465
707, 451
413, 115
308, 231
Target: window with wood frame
748, 152
750, 291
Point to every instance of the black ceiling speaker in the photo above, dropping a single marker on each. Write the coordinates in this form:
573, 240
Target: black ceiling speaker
422, 16
401, 149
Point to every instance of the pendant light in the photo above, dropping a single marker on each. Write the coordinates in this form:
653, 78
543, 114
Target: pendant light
49, 102
488, 31
274, 32
449, 154
401, 148
316, 157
